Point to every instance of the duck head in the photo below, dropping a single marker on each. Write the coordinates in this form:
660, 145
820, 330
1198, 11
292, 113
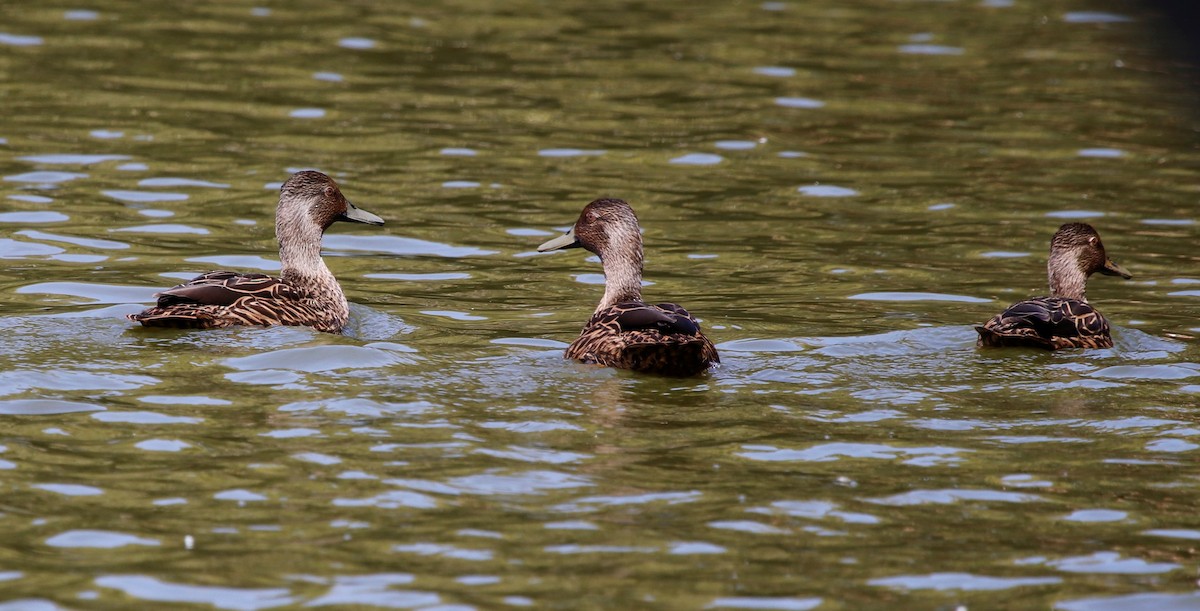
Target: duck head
1076, 252
606, 227
609, 228
309, 202
310, 197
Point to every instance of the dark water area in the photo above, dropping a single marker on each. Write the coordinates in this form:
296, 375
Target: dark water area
840, 190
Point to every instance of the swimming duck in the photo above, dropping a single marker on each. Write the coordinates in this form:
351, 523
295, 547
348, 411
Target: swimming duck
1064, 319
624, 331
305, 294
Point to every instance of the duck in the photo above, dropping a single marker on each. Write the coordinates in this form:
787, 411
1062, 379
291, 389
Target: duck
625, 332
1064, 319
305, 293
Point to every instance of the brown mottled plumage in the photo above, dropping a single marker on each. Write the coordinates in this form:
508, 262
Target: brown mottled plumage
626, 332
1064, 319
306, 293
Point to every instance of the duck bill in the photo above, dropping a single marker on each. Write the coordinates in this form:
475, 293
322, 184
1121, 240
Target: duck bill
1112, 269
567, 240
355, 214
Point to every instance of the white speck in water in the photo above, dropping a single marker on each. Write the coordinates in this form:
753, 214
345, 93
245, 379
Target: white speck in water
307, 113
774, 6
133, 167
943, 206
332, 77
458, 152
105, 134
792, 154
260, 11
460, 184
189, 542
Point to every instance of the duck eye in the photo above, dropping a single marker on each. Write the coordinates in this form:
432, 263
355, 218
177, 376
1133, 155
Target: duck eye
1092, 240
329, 191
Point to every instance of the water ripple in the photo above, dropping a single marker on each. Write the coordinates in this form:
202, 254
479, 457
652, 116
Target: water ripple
317, 359
94, 292
67, 159
766, 602
100, 539
837, 450
960, 581
19, 40
1102, 563
396, 245
951, 496
43, 407
239, 599
45, 177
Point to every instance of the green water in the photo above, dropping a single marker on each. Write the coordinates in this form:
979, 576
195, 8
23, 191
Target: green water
838, 189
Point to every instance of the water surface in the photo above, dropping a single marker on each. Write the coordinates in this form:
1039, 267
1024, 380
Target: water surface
839, 190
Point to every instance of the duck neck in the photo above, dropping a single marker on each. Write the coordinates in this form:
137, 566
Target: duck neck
303, 267
622, 277
1066, 279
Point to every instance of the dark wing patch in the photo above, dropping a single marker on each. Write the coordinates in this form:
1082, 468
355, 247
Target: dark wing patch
661, 339
224, 289
1047, 322
1049, 317
636, 316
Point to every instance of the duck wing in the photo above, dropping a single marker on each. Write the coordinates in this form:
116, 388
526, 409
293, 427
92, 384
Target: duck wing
222, 299
666, 318
1048, 322
224, 289
662, 339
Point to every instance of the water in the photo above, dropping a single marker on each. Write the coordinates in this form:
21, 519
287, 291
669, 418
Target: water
840, 190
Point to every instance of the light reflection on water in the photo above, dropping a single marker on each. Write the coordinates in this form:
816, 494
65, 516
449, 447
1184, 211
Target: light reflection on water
838, 207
